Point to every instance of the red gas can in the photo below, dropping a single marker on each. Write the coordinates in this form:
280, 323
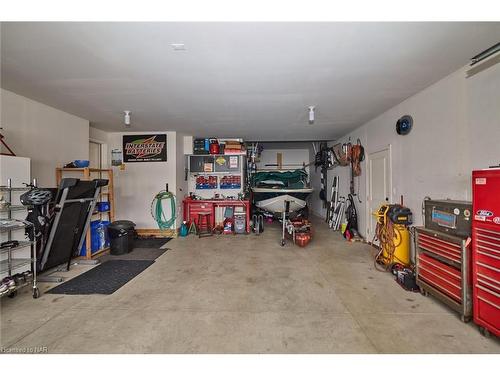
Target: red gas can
214, 147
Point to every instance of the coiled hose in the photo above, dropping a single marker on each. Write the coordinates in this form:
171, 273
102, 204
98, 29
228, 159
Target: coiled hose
389, 237
157, 210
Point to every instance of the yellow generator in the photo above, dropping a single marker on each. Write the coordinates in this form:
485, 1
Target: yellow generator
393, 235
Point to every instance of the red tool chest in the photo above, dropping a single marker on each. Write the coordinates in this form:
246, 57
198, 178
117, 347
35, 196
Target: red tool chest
444, 269
445, 278
194, 207
486, 249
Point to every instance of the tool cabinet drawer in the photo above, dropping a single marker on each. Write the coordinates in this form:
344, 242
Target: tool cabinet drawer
488, 296
487, 313
485, 257
487, 247
446, 249
488, 236
489, 283
441, 276
487, 271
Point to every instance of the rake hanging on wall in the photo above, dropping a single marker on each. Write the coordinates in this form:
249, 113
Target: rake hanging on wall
4, 144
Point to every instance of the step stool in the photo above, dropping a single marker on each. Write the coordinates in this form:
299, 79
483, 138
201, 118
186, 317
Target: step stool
207, 232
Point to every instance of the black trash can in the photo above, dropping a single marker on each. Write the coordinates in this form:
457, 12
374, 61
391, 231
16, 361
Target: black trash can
121, 236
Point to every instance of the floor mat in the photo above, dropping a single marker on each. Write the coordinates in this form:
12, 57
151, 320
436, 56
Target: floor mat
106, 278
136, 254
150, 242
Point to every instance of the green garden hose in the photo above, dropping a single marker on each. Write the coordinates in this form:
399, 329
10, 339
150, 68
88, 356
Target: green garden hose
157, 210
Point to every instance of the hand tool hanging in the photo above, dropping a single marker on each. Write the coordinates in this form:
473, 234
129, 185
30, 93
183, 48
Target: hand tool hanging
3, 143
357, 155
324, 171
334, 196
351, 215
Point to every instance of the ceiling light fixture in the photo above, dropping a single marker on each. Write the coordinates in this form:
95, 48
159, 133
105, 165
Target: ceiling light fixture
178, 46
311, 114
126, 118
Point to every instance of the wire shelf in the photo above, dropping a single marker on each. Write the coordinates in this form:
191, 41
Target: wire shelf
15, 263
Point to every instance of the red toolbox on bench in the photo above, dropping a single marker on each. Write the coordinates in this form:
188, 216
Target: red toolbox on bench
192, 208
486, 249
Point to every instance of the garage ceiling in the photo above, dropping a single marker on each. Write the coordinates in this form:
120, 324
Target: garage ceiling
251, 80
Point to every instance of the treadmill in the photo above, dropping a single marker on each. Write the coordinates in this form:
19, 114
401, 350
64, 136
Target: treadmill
72, 210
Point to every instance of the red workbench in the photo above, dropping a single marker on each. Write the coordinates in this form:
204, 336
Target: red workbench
193, 207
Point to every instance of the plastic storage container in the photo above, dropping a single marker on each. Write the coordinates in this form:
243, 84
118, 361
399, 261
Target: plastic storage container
95, 235
103, 206
240, 223
105, 224
121, 236
98, 237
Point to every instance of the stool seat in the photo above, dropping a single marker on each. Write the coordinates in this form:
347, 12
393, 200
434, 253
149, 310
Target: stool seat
205, 229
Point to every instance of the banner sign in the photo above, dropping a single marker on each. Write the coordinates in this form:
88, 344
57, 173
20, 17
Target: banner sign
144, 148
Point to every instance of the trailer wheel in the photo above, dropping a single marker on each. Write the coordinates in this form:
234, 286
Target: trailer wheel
282, 243
36, 293
261, 224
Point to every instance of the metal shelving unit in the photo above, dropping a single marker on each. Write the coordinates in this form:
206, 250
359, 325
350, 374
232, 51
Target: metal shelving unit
13, 208
11, 263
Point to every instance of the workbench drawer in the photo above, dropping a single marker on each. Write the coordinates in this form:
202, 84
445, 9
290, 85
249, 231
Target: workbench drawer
194, 208
200, 207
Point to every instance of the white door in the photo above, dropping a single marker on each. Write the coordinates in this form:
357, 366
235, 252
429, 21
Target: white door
379, 185
95, 157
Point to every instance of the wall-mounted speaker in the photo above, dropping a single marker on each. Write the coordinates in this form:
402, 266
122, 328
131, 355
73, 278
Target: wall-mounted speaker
404, 125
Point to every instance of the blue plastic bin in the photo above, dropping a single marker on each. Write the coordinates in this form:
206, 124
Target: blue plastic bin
105, 224
103, 206
95, 227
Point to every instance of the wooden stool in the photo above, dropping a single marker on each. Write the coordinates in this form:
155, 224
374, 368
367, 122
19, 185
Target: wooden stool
208, 225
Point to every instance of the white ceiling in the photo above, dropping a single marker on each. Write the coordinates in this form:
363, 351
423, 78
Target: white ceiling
250, 80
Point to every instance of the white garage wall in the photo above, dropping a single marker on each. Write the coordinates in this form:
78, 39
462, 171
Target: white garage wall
289, 156
51, 138
136, 186
456, 129
483, 131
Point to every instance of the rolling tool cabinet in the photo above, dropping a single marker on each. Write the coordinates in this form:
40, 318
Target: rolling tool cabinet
443, 269
443, 254
486, 250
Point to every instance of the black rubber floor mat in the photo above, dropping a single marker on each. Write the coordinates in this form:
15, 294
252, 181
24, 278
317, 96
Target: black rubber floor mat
106, 278
136, 254
151, 243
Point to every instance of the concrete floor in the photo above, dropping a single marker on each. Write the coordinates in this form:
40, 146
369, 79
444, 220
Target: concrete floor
246, 294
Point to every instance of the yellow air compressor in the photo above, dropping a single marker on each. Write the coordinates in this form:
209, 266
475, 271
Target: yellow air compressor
393, 235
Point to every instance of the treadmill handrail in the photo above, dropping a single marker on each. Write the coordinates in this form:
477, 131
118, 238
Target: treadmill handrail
76, 200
